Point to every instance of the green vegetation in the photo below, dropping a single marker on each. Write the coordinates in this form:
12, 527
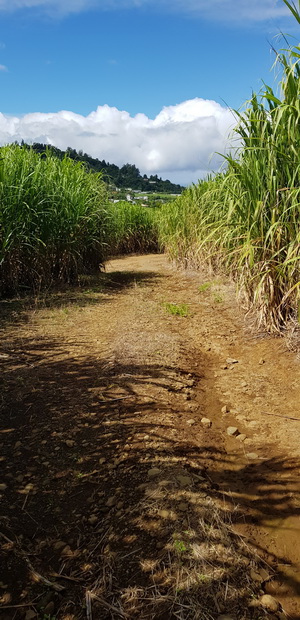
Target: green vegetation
205, 287
132, 229
53, 219
176, 309
218, 299
180, 546
245, 221
56, 221
124, 177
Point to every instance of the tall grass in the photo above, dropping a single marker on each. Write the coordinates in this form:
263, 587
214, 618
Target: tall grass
52, 219
56, 221
132, 228
246, 220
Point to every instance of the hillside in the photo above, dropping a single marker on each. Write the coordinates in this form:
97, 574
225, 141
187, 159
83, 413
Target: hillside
126, 176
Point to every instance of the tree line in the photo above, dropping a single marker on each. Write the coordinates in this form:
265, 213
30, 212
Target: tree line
124, 177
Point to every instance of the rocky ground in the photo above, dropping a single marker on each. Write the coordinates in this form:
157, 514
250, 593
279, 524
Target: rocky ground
150, 453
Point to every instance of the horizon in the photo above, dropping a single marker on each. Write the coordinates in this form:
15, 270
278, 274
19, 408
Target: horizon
120, 81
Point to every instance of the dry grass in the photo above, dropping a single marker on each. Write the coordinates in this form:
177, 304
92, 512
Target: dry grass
201, 569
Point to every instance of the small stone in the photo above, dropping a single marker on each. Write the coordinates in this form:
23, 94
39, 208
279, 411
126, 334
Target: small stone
191, 422
261, 361
269, 602
244, 384
111, 501
183, 506
255, 576
225, 409
164, 483
254, 603
276, 588
153, 473
232, 431
252, 456
43, 602
59, 545
231, 360
93, 519
241, 437
206, 422
252, 424
29, 487
49, 609
184, 481
265, 575
3, 486
70, 443
146, 437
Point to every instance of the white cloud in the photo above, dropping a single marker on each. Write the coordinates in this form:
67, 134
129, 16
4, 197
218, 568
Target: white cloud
3, 68
179, 143
233, 10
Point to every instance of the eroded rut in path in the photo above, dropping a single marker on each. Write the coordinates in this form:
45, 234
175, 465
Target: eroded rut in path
147, 471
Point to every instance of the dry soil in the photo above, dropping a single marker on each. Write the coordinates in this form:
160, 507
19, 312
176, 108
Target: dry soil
150, 460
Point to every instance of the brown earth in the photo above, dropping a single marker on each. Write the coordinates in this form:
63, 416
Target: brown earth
117, 501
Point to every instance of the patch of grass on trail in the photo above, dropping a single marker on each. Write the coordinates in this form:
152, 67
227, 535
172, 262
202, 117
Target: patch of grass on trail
205, 287
176, 309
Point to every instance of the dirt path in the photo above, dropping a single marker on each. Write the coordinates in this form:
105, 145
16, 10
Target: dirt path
111, 485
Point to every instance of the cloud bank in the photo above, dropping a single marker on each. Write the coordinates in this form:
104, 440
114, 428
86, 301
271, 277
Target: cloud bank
229, 10
179, 144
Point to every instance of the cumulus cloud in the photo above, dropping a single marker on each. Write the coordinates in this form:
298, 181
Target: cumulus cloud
180, 143
241, 11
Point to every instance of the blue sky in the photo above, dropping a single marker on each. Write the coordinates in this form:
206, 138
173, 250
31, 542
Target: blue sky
156, 59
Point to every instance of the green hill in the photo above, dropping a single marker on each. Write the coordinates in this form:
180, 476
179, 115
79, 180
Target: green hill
128, 176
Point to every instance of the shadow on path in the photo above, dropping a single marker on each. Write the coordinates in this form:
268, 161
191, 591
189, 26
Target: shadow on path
104, 482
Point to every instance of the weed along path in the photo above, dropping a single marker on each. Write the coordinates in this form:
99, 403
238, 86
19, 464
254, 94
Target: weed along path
150, 454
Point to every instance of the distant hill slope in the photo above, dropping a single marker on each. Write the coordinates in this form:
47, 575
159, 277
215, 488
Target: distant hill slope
127, 176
